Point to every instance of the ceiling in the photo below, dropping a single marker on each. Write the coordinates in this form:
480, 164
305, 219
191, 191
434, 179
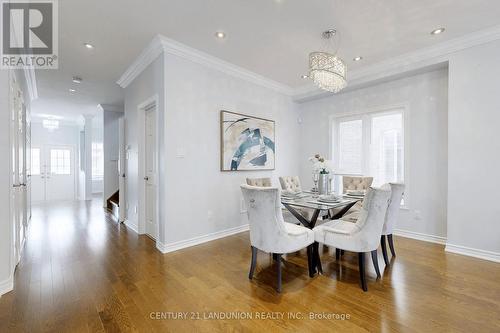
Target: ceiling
269, 37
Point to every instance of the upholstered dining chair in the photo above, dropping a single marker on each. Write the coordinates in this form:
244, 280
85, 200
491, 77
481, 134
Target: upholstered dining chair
356, 183
260, 182
292, 184
268, 231
391, 217
353, 183
266, 182
362, 237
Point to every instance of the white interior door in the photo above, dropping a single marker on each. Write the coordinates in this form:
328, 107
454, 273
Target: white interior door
19, 197
37, 175
150, 172
59, 173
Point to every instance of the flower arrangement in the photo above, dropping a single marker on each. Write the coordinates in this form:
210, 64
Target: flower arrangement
320, 164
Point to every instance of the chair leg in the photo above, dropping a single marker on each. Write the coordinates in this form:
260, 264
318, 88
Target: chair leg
375, 262
361, 260
279, 272
342, 252
384, 249
254, 260
316, 258
337, 254
391, 244
310, 261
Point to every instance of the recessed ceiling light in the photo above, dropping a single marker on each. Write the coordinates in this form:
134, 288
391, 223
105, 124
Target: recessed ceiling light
304, 76
358, 58
88, 45
71, 90
220, 34
437, 31
77, 79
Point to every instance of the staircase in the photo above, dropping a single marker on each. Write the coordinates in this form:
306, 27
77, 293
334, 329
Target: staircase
113, 203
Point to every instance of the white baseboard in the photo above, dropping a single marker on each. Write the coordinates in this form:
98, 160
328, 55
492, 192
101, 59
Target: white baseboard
166, 248
420, 236
161, 247
131, 225
6, 285
476, 253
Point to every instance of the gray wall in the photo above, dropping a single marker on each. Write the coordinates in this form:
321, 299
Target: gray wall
148, 84
426, 97
474, 149
200, 199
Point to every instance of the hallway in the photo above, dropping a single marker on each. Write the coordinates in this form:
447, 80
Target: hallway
68, 277
83, 272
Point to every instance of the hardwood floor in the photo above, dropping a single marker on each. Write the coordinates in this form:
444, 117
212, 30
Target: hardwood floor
83, 272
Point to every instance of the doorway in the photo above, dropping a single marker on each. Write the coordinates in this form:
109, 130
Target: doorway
148, 178
52, 173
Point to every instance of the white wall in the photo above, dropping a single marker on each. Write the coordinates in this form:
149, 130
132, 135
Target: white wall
5, 188
149, 83
426, 97
111, 151
200, 199
66, 134
474, 149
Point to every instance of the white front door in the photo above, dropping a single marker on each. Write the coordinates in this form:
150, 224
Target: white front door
37, 175
150, 173
53, 173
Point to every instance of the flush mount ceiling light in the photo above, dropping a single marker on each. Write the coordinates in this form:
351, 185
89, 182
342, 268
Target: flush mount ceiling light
50, 124
71, 90
88, 45
437, 31
220, 34
358, 58
304, 76
77, 79
326, 69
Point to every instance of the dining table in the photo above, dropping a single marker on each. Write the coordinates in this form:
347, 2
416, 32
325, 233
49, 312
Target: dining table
311, 200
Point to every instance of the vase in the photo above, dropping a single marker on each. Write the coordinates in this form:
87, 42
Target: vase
324, 184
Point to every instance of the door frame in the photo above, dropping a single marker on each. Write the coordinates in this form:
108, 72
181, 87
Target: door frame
141, 116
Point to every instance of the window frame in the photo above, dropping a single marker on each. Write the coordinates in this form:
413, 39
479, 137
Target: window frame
70, 160
364, 115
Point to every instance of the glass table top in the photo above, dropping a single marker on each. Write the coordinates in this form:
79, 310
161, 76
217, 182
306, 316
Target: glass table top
310, 200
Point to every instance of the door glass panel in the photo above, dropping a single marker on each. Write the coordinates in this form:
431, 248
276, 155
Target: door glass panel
35, 161
60, 161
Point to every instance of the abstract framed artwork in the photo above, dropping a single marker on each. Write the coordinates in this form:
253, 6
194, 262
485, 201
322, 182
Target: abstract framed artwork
247, 142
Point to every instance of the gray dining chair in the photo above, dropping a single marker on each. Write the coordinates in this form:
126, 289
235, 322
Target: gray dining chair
361, 237
268, 230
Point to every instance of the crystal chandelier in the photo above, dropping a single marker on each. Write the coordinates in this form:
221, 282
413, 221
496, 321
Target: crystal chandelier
327, 70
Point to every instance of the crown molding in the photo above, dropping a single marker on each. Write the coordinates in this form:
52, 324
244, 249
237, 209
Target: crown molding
173, 47
145, 58
420, 60
417, 61
161, 44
